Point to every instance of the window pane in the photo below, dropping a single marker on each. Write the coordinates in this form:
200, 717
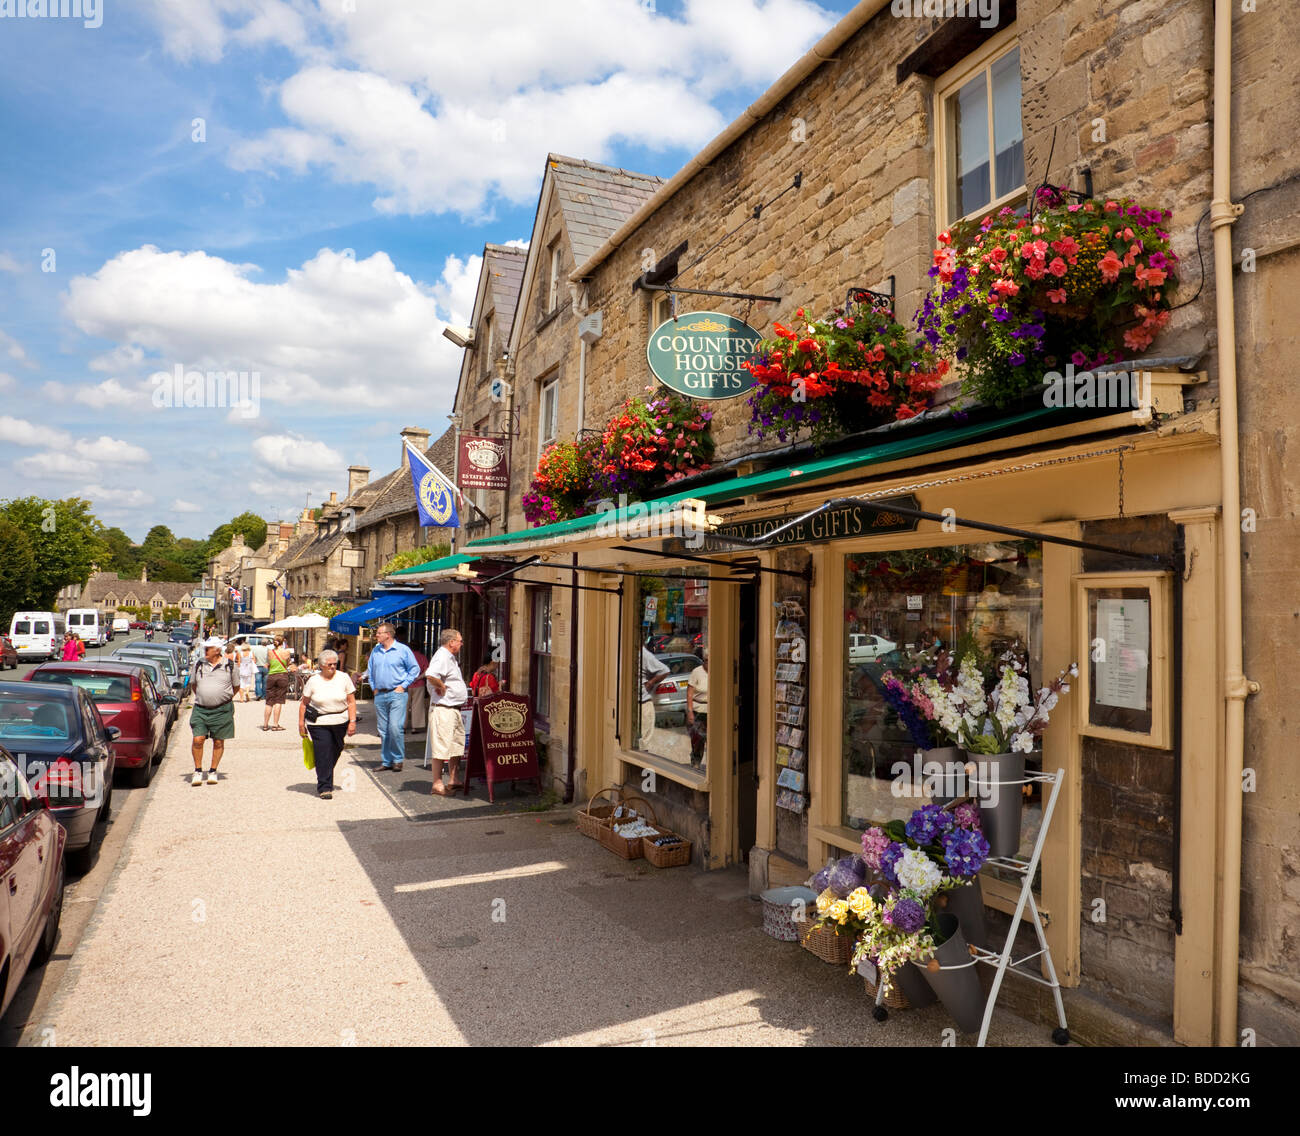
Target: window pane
1008, 133
900, 608
969, 112
670, 672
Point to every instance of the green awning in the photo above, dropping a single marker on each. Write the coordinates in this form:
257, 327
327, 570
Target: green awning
444, 564
801, 471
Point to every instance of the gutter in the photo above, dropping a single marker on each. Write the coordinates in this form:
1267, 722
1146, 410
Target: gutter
823, 51
1236, 687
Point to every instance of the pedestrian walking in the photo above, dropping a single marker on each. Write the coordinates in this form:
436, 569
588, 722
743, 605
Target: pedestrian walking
247, 674
214, 681
447, 695
259, 658
327, 713
278, 661
390, 671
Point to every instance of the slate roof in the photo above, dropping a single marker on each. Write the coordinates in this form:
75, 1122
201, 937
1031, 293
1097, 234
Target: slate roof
398, 495
505, 267
596, 200
101, 584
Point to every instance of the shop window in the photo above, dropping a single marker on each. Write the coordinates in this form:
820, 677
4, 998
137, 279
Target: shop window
670, 672
901, 610
982, 156
548, 415
539, 680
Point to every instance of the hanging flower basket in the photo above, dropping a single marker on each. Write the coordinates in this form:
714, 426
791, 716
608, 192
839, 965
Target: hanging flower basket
840, 375
654, 440
1083, 283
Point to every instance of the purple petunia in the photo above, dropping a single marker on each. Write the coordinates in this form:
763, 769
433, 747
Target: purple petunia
927, 823
889, 861
909, 916
965, 851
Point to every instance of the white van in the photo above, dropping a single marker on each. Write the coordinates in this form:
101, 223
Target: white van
37, 634
121, 625
88, 625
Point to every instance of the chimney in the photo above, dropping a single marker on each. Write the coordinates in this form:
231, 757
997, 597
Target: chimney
358, 475
306, 524
237, 541
334, 497
419, 440
144, 574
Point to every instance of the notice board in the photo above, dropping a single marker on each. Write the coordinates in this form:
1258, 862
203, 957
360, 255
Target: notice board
502, 742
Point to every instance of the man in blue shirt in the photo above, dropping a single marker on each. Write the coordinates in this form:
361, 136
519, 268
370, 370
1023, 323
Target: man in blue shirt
390, 671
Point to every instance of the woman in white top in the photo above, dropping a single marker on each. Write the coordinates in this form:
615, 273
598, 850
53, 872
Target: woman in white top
247, 674
697, 710
334, 697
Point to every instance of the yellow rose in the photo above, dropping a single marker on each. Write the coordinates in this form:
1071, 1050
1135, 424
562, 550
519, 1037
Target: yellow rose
839, 911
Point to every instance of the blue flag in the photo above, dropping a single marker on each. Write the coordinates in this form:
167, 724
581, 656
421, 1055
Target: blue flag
435, 496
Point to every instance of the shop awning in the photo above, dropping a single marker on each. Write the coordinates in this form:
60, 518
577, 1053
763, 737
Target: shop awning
351, 622
433, 569
789, 475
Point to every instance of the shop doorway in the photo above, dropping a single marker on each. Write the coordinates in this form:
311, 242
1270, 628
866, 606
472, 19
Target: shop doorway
746, 702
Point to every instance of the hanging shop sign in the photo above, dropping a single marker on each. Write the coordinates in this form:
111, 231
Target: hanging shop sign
502, 745
700, 354
842, 523
482, 463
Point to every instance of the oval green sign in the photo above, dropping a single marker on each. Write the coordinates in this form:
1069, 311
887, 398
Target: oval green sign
699, 354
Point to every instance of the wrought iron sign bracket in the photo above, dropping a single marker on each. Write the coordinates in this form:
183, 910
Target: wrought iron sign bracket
674, 290
857, 295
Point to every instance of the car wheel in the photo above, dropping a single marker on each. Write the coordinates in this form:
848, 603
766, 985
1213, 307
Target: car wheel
140, 777
45, 948
81, 860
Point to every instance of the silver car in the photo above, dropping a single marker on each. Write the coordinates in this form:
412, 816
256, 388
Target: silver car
670, 694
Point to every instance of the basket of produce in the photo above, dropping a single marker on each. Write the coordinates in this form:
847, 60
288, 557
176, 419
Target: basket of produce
594, 815
667, 850
627, 825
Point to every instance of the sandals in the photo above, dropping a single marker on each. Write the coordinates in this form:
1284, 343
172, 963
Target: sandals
277, 728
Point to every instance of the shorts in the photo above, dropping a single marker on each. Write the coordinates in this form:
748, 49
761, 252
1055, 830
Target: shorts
277, 688
215, 722
446, 733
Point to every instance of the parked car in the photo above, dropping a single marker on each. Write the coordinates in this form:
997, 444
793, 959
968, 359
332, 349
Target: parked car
670, 693
158, 676
138, 625
866, 648
157, 625
121, 625
8, 656
31, 878
176, 669
89, 625
126, 698
66, 755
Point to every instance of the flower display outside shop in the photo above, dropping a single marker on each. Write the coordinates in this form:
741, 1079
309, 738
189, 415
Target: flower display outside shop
652, 441
1083, 283
856, 369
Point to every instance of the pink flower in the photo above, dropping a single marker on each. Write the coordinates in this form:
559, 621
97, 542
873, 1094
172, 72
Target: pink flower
1066, 246
1056, 295
1058, 267
1149, 277
1006, 287
1112, 207
1110, 266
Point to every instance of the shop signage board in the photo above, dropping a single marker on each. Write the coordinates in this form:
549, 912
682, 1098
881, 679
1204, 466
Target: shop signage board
502, 743
483, 463
842, 523
699, 354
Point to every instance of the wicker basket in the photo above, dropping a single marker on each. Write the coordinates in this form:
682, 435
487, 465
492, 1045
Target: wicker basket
593, 816
894, 1000
674, 856
827, 945
628, 848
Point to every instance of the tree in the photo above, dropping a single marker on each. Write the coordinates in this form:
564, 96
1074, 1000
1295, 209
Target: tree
171, 570
64, 542
16, 566
194, 555
122, 554
250, 525
159, 546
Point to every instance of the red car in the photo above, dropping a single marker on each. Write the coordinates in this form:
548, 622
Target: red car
138, 625
126, 698
8, 656
31, 879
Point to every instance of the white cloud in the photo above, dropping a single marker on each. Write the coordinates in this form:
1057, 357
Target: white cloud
336, 333
290, 454
20, 432
111, 451
456, 291
179, 506
200, 29
121, 498
7, 381
56, 464
9, 264
11, 347
108, 393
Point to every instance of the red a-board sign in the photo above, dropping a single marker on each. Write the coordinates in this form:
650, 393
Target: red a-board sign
502, 746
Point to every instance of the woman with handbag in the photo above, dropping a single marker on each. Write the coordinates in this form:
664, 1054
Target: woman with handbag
326, 714
279, 660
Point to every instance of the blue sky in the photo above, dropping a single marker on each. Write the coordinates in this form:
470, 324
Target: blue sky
319, 225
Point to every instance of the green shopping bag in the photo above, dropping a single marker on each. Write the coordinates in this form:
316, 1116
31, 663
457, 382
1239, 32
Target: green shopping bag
308, 753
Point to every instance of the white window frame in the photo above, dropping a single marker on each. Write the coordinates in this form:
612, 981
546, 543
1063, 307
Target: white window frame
980, 60
545, 437
553, 289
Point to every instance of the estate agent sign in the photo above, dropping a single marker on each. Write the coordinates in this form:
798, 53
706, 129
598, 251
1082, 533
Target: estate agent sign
501, 742
700, 354
483, 463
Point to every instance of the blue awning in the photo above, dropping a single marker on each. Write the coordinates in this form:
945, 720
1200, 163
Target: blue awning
351, 622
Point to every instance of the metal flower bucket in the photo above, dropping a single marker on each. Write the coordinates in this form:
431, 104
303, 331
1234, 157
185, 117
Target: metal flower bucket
997, 780
951, 975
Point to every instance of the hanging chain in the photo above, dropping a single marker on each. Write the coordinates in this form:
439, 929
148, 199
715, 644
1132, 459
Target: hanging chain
1121, 483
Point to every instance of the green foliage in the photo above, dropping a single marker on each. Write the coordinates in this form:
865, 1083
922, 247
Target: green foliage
16, 567
64, 540
193, 554
122, 555
327, 608
252, 526
173, 571
414, 556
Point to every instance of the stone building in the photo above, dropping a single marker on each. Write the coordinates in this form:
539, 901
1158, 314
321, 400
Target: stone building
108, 592
1170, 891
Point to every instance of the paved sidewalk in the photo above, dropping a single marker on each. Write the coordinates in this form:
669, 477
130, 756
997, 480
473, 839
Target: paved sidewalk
253, 913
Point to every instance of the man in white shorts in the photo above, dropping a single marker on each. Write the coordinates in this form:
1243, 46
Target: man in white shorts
447, 696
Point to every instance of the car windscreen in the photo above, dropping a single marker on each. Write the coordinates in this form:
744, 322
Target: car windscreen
156, 665
168, 660
36, 723
100, 687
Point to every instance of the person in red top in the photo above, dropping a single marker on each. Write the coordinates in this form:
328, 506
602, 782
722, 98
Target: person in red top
485, 679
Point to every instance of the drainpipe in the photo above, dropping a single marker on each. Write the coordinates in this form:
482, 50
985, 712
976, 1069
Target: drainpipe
573, 682
1223, 213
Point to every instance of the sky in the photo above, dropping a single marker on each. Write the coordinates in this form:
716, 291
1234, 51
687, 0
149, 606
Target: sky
298, 192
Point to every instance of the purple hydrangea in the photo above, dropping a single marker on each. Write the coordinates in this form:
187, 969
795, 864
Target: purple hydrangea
927, 823
889, 861
908, 915
965, 851
874, 844
967, 815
